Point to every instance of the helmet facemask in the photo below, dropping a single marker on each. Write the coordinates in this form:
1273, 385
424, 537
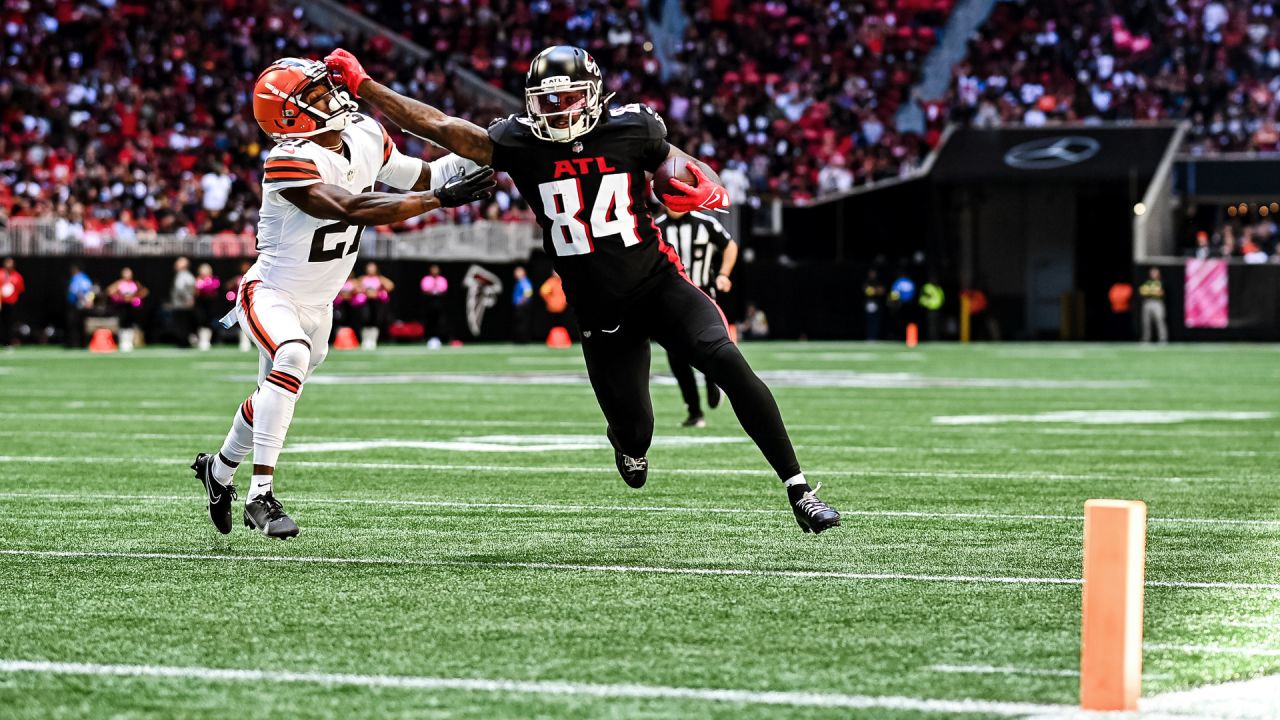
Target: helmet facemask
562, 110
333, 110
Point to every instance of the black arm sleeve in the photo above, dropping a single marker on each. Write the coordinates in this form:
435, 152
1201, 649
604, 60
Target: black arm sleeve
501, 152
654, 150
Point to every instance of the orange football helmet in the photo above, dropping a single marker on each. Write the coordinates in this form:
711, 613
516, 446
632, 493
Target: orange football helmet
280, 102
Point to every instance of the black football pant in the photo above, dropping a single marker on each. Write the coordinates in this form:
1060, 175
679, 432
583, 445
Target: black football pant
686, 322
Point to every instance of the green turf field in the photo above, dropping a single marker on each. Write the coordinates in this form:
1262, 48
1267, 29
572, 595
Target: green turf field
467, 548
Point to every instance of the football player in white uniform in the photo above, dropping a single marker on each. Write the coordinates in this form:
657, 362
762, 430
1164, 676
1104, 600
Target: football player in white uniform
317, 196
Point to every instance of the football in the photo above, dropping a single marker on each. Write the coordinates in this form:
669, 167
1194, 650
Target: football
671, 168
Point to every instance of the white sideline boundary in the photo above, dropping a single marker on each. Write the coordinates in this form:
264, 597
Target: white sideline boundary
540, 687
1258, 699
1251, 699
870, 473
582, 508
636, 569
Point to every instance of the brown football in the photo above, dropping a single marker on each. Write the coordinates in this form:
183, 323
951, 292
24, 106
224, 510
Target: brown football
673, 167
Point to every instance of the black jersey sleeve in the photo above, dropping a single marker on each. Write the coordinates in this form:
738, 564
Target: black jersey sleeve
502, 132
652, 133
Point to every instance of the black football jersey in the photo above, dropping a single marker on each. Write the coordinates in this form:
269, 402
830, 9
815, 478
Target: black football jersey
699, 239
591, 198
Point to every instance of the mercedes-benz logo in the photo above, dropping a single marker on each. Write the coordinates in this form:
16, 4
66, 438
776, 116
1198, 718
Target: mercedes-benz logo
1051, 153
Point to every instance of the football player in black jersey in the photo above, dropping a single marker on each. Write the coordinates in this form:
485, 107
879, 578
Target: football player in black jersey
709, 254
584, 169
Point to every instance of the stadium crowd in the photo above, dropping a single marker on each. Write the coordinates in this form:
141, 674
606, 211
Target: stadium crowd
1254, 239
786, 98
123, 120
1214, 62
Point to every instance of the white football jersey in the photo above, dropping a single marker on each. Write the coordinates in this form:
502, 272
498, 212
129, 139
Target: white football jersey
304, 257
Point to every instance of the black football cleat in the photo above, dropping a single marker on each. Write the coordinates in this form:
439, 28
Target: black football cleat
220, 496
713, 395
634, 471
812, 514
265, 513
694, 421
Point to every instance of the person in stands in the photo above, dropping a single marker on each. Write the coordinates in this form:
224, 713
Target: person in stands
81, 293
1153, 310
207, 304
126, 296
182, 302
522, 307
376, 289
11, 288
435, 320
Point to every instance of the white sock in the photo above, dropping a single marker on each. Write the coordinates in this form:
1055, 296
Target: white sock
271, 425
223, 473
261, 486
205, 336
238, 443
244, 341
795, 480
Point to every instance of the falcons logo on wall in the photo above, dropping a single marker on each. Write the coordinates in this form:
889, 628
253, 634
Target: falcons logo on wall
483, 289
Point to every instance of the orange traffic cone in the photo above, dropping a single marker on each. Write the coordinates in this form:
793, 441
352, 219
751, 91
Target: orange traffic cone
346, 340
558, 338
913, 335
102, 341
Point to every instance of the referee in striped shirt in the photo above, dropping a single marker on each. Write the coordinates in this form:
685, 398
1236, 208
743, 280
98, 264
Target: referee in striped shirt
708, 254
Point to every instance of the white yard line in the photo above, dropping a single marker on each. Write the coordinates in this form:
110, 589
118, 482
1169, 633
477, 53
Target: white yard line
627, 569
1053, 452
1105, 417
693, 440
1171, 431
538, 687
844, 429
871, 473
225, 418
579, 508
1266, 624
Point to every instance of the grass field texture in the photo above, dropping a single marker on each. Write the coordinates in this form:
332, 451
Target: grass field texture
468, 550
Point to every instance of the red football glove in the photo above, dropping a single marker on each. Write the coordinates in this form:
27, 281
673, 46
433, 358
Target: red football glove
344, 68
705, 195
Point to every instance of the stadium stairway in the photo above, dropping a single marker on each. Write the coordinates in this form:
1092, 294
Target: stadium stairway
330, 13
935, 75
666, 21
